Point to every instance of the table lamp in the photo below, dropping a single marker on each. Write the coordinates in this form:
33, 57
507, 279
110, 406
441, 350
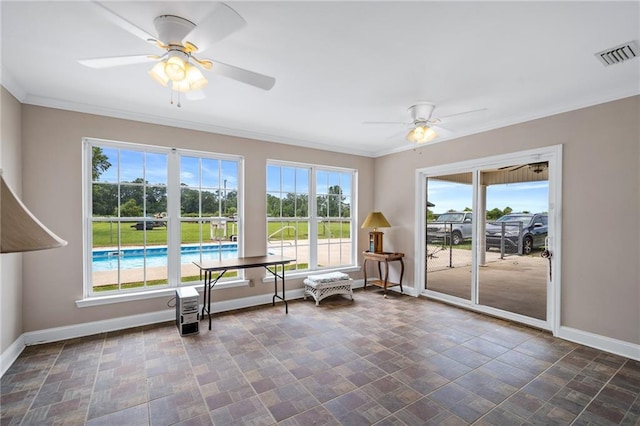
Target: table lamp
375, 220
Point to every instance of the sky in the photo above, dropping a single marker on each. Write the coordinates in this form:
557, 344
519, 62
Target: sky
131, 165
527, 196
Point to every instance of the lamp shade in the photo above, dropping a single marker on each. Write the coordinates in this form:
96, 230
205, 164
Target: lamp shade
19, 229
175, 68
376, 220
158, 74
421, 133
195, 78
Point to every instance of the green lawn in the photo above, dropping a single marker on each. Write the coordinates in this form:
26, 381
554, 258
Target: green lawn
105, 234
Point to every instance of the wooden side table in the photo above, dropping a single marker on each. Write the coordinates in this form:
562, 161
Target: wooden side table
385, 257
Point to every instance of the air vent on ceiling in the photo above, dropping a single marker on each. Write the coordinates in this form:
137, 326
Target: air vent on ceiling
619, 54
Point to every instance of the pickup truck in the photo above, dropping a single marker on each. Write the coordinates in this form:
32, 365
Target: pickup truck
451, 227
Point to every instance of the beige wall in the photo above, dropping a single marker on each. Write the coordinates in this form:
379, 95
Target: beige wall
601, 206
53, 190
11, 263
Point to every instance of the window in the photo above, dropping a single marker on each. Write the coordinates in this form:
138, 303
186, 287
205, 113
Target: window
209, 207
150, 212
318, 233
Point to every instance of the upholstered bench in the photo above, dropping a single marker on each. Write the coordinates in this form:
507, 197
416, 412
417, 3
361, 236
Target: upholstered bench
325, 285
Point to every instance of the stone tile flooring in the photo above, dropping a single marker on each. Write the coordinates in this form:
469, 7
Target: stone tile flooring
394, 361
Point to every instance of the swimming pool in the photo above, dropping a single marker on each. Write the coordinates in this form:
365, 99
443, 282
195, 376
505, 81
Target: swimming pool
132, 258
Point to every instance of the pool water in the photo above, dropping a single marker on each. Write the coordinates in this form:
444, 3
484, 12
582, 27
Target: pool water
110, 260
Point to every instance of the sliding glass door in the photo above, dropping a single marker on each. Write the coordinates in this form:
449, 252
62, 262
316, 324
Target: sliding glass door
490, 232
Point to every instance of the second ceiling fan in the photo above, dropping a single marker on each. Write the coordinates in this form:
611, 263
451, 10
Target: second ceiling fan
423, 127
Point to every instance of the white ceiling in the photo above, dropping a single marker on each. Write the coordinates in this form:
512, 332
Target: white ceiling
336, 64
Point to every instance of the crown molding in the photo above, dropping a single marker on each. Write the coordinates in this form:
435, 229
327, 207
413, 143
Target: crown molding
12, 86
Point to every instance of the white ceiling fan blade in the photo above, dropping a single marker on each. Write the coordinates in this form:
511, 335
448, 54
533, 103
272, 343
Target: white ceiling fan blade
245, 76
221, 22
443, 132
461, 113
116, 61
398, 135
125, 24
386, 122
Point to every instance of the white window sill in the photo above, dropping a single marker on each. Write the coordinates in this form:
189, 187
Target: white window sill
151, 294
304, 274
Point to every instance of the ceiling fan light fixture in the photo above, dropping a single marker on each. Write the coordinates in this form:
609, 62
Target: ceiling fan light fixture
175, 67
538, 167
158, 74
195, 78
421, 133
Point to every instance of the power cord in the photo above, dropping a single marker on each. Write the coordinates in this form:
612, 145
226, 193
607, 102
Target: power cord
173, 299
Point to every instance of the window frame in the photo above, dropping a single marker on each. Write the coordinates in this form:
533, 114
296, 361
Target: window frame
173, 220
313, 218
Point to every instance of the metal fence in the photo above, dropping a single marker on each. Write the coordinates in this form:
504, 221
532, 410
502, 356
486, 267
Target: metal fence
507, 237
442, 253
441, 257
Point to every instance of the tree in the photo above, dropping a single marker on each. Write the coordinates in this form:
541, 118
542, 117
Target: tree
130, 209
189, 200
231, 203
494, 214
99, 162
104, 199
273, 206
156, 199
507, 210
333, 204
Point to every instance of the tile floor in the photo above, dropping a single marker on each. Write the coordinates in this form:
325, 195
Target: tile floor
394, 361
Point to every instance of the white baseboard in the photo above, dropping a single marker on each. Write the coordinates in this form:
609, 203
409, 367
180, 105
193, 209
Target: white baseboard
607, 344
406, 289
96, 327
8, 357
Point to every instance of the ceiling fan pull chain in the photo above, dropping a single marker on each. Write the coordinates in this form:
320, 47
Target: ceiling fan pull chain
172, 90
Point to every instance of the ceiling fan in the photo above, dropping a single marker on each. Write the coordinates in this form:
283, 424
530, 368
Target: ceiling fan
181, 39
534, 167
423, 126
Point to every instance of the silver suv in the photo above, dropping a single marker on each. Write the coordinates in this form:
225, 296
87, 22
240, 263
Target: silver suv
450, 227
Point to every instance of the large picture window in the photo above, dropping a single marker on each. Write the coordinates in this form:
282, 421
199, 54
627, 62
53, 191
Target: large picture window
318, 234
151, 212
